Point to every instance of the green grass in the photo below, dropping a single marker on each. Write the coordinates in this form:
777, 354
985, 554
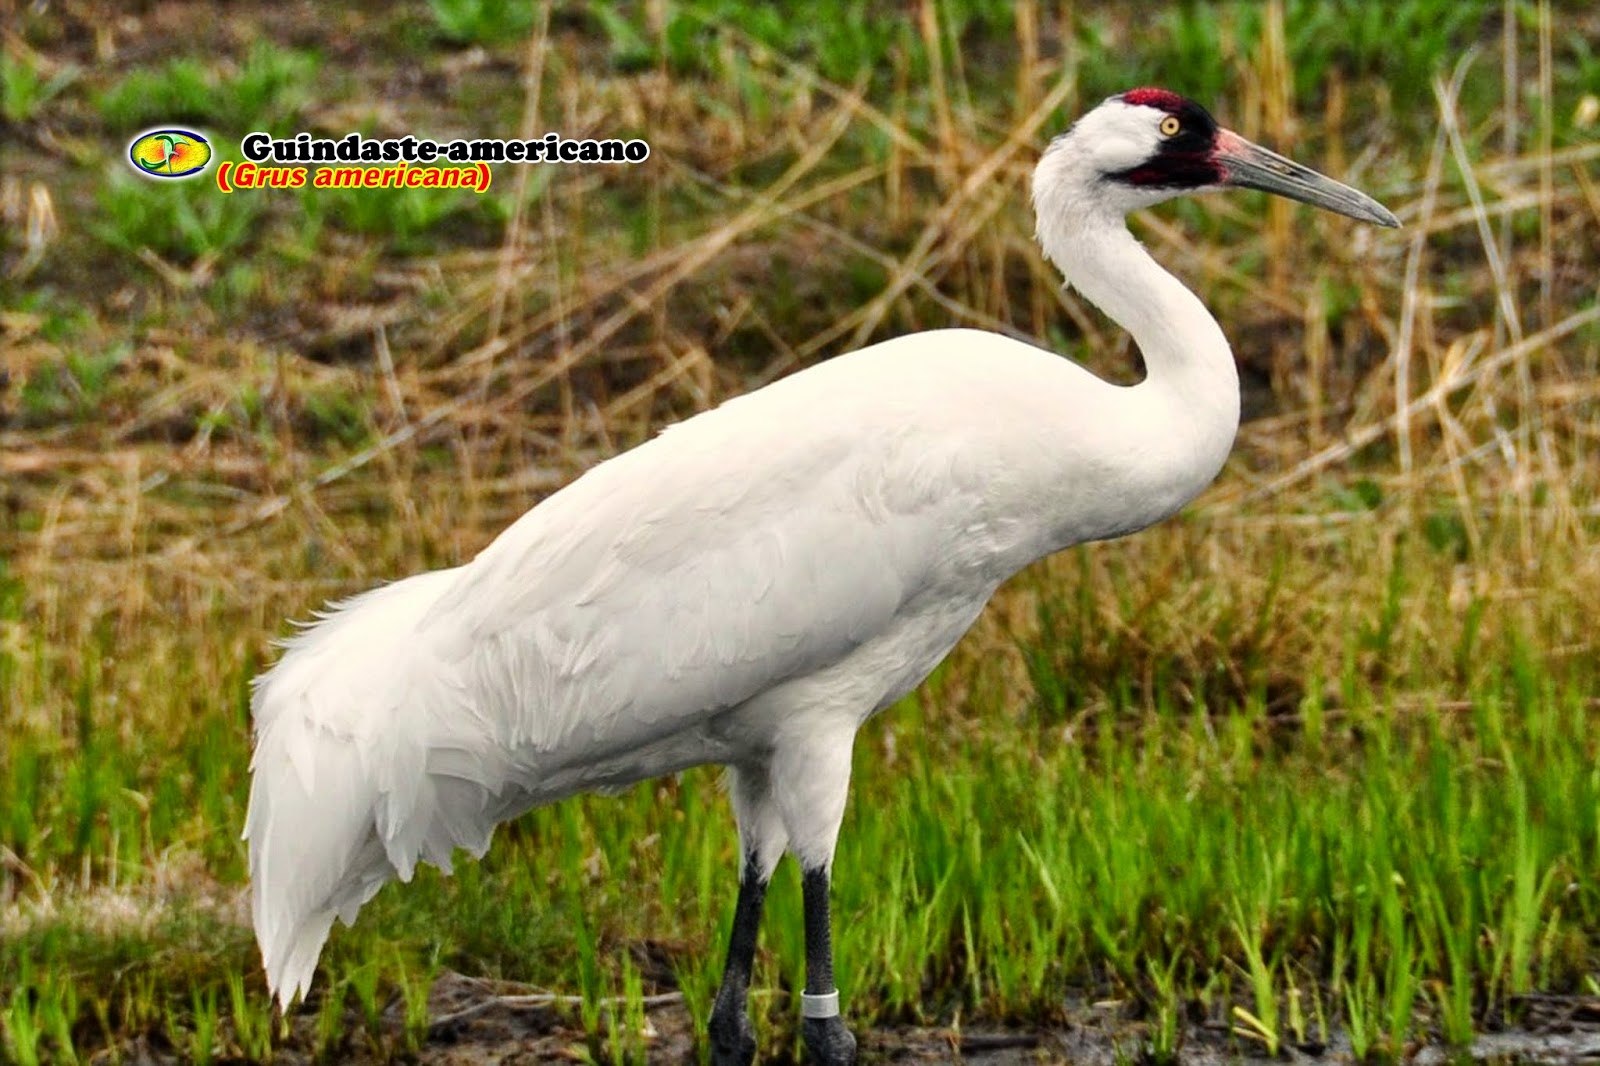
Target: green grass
408, 220
182, 224
1388, 869
267, 88
481, 21
25, 88
1205, 48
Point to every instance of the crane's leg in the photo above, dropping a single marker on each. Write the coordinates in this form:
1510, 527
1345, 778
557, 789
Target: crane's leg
733, 1040
830, 1043
762, 841
811, 780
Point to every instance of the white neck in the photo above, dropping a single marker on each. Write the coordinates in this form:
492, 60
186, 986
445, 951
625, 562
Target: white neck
1183, 347
1183, 417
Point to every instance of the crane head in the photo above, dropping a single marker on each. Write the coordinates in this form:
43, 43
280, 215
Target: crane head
1147, 145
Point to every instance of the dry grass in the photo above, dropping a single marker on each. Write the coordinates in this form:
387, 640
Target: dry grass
1451, 365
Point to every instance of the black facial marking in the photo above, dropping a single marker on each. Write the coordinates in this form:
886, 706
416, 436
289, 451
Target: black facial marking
1186, 159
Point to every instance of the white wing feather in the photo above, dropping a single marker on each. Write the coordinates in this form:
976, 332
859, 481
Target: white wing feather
597, 640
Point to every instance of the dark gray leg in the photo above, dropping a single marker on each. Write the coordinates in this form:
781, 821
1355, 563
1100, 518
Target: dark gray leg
828, 1041
733, 1039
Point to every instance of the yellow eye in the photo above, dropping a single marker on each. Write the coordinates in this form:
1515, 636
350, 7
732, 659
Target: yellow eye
1170, 126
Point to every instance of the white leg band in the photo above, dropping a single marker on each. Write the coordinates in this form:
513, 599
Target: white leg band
823, 1006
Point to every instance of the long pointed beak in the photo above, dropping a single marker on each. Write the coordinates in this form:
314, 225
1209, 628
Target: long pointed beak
1251, 166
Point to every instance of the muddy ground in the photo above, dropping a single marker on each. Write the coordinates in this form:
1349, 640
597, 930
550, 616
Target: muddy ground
471, 1029
1555, 1030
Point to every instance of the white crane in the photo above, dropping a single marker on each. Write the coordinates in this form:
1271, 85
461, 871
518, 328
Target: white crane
752, 585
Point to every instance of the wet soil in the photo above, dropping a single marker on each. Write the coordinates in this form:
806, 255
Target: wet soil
1553, 1029
474, 1028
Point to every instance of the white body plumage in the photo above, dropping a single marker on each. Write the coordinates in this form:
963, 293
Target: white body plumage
788, 563
745, 589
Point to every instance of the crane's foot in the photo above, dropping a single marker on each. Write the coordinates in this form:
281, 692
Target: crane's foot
733, 1039
828, 1041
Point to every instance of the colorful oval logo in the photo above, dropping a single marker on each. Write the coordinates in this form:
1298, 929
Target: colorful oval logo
170, 153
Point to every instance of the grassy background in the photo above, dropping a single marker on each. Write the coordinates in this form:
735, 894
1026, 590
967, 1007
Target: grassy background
1314, 764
